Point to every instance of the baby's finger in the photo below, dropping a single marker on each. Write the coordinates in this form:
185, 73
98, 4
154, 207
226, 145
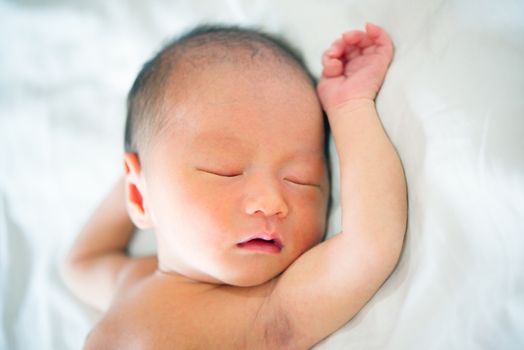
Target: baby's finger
380, 37
358, 38
335, 69
337, 49
373, 30
332, 66
353, 37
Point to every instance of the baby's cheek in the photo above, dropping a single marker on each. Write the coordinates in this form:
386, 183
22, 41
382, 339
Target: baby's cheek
212, 205
311, 200
310, 211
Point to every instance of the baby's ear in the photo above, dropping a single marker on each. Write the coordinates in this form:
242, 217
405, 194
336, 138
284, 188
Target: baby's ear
135, 192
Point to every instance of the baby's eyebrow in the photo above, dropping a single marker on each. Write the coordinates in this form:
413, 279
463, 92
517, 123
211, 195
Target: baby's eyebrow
306, 156
211, 143
209, 140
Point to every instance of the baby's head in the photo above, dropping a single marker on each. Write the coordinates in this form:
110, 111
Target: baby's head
226, 157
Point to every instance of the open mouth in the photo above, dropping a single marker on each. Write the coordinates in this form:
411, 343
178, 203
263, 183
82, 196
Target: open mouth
261, 245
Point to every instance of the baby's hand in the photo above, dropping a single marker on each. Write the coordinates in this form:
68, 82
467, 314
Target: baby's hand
354, 67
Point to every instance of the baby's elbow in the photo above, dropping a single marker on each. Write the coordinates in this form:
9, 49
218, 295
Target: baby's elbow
389, 253
392, 244
75, 274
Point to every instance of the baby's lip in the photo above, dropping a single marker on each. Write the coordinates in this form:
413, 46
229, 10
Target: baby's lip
268, 237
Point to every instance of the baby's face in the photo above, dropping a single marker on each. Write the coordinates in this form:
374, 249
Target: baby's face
236, 183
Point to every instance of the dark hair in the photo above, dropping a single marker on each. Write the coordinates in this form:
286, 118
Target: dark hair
145, 99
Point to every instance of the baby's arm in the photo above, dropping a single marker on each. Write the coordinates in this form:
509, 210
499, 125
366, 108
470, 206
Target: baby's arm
330, 283
98, 260
373, 193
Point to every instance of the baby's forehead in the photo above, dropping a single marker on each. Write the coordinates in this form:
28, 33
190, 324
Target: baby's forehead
214, 75
247, 120
235, 89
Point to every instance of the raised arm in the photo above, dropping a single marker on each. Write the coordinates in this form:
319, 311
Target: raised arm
374, 204
98, 260
329, 284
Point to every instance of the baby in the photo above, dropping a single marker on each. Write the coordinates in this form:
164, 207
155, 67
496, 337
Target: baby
226, 161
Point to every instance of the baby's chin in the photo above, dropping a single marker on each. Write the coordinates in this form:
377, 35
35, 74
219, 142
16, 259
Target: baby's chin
231, 277
240, 278
251, 274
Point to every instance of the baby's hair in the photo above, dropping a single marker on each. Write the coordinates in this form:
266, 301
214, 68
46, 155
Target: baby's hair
145, 102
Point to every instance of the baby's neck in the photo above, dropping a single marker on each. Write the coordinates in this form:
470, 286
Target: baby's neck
178, 278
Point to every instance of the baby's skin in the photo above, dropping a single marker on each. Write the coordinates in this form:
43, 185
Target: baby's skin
237, 194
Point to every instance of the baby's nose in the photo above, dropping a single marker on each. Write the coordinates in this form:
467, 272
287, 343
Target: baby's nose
265, 197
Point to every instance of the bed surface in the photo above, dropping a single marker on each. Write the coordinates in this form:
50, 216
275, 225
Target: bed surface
452, 104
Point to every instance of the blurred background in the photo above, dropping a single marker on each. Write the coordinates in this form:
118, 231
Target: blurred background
452, 104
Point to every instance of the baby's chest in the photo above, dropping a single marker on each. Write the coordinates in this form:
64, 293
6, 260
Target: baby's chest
182, 319
201, 316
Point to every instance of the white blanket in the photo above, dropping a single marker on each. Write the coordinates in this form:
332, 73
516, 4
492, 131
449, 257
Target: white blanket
452, 104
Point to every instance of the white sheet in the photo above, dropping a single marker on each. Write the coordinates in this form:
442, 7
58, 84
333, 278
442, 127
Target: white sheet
453, 105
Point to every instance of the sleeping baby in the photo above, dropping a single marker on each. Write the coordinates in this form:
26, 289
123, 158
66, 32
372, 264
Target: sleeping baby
226, 161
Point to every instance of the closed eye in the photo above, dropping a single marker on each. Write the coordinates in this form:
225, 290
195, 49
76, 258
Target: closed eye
221, 173
302, 183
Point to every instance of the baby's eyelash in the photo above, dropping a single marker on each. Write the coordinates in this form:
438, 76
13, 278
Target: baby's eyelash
302, 183
227, 175
219, 173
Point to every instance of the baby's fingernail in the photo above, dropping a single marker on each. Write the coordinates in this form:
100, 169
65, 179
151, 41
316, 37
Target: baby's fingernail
373, 27
333, 50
